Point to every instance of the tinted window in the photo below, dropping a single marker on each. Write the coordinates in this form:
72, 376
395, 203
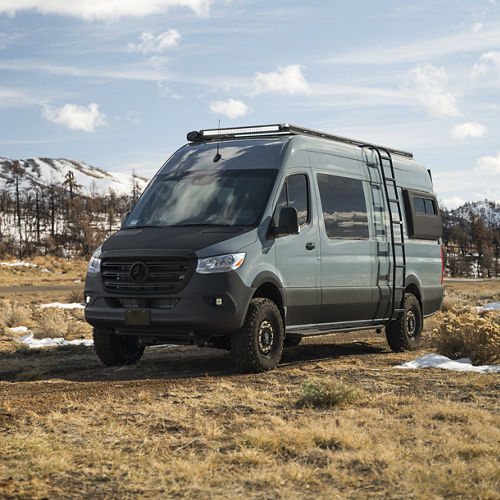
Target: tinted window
429, 207
419, 205
295, 194
344, 207
424, 206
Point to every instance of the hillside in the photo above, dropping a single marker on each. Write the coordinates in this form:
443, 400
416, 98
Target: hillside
471, 235
42, 172
488, 211
60, 206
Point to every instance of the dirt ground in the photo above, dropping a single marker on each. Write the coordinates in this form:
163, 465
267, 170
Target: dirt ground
184, 424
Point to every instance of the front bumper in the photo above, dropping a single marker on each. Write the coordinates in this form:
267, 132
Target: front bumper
191, 312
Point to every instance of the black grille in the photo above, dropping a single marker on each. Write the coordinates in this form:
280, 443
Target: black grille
165, 275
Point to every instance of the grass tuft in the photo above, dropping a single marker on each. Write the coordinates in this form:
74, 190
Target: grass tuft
327, 394
464, 333
14, 314
76, 295
54, 322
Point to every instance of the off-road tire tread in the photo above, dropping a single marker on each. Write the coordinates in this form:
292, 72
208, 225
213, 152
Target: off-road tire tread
106, 349
243, 349
395, 330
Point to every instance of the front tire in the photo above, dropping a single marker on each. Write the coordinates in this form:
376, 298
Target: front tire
258, 345
405, 333
115, 350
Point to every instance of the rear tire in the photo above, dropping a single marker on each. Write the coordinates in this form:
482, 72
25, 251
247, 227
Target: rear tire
258, 345
115, 350
405, 333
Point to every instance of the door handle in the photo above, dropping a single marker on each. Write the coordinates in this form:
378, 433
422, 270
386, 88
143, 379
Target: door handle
310, 246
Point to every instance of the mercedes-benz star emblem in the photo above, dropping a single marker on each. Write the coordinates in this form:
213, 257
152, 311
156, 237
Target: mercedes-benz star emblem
138, 272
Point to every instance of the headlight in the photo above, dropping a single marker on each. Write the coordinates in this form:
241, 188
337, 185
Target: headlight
95, 261
220, 263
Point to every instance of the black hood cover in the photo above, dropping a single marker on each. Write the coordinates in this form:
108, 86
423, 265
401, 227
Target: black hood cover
168, 240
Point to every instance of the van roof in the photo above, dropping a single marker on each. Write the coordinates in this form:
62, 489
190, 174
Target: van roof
283, 129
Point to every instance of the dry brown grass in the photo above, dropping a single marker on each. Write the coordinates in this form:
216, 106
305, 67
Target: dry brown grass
464, 333
183, 424
243, 437
53, 322
14, 314
76, 295
47, 270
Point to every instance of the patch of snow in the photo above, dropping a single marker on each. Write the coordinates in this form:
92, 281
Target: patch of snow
73, 305
492, 306
78, 281
46, 271
18, 263
438, 361
33, 343
19, 329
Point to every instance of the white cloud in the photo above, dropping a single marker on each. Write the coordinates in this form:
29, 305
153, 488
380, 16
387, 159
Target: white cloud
103, 9
469, 185
489, 164
488, 61
76, 117
13, 98
452, 202
477, 27
159, 43
425, 49
469, 129
230, 108
288, 79
166, 92
429, 88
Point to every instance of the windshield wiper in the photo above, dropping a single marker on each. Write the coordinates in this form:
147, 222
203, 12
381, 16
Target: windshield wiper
202, 224
139, 227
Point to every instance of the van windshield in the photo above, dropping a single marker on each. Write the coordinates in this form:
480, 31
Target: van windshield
221, 197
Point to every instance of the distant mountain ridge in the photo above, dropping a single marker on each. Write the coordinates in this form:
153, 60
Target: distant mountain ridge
45, 171
488, 211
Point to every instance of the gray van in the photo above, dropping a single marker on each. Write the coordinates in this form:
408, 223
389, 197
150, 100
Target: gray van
251, 238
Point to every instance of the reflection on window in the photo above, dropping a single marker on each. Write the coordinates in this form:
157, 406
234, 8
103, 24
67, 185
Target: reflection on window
218, 197
344, 207
295, 194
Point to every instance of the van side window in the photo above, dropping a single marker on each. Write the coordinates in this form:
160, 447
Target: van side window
424, 206
295, 193
344, 207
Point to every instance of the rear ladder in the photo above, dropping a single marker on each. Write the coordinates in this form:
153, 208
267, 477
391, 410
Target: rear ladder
385, 167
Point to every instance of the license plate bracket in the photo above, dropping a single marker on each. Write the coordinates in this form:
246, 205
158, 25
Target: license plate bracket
137, 317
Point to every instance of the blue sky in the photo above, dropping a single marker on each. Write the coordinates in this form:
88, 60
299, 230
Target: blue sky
118, 83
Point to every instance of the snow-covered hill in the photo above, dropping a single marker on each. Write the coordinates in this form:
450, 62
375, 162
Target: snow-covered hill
46, 171
489, 211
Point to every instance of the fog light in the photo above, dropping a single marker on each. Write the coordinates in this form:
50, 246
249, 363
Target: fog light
218, 301
87, 299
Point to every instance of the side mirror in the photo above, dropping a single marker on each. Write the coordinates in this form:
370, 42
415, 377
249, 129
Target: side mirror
125, 217
287, 222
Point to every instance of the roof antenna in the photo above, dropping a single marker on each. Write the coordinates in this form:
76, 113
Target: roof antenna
218, 156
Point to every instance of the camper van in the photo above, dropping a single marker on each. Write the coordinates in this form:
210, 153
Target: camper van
252, 238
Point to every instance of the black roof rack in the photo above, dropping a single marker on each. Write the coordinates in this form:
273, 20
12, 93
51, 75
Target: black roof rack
278, 129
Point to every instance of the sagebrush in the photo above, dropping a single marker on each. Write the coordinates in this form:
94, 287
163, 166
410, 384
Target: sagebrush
327, 394
54, 322
13, 314
465, 333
